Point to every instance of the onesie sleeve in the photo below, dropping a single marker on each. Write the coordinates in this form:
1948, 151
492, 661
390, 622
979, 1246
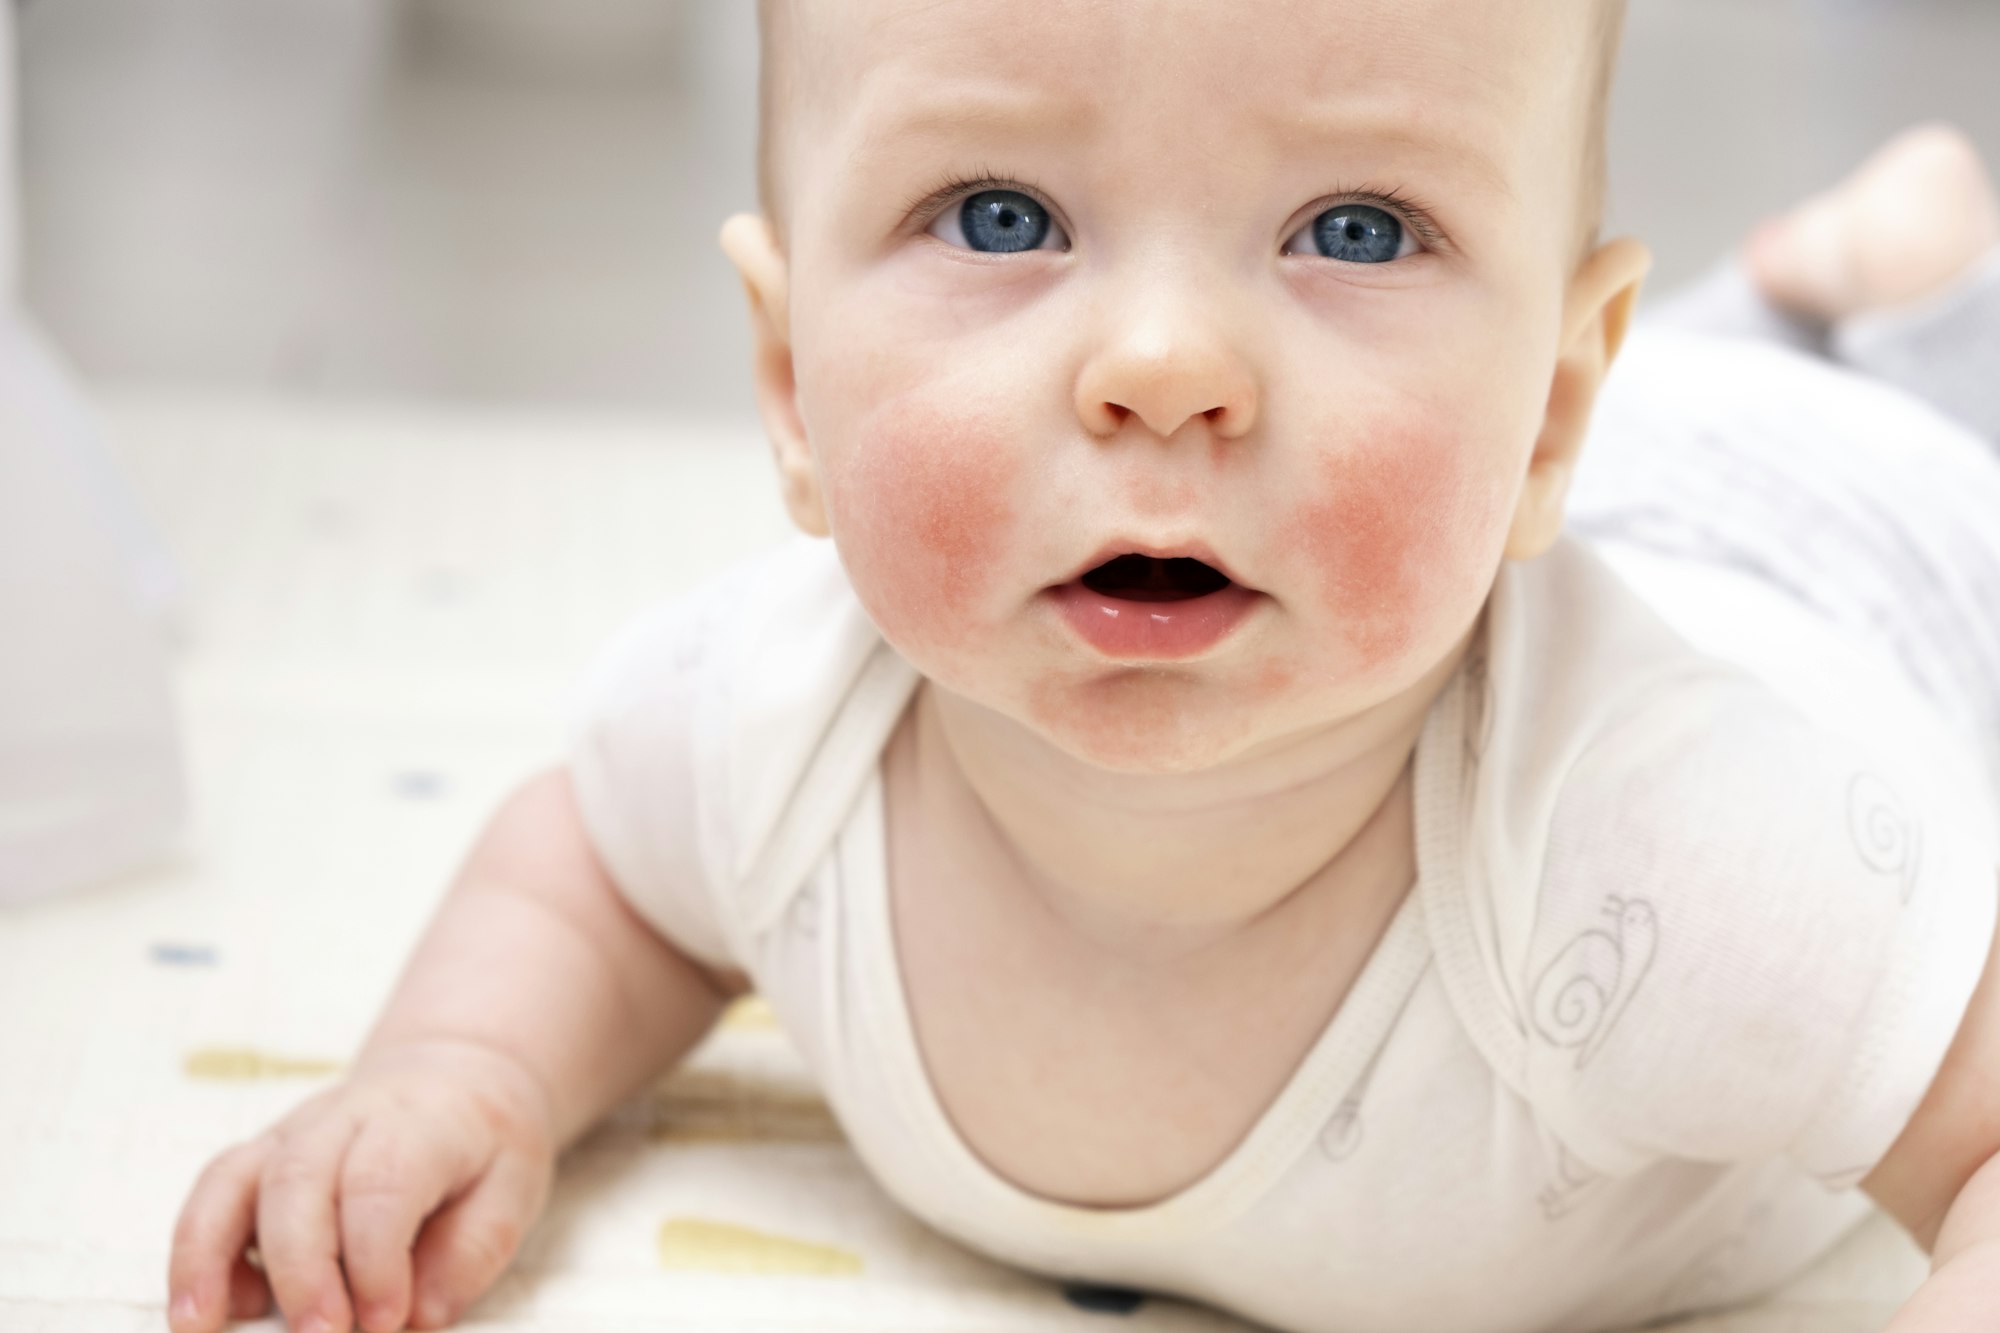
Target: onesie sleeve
1753, 939
634, 769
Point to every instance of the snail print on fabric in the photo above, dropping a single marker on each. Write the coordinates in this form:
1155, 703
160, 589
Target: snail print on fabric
1342, 1134
1585, 987
1889, 839
1717, 1275
1571, 1182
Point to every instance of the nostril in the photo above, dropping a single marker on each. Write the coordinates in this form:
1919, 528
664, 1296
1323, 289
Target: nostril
1228, 422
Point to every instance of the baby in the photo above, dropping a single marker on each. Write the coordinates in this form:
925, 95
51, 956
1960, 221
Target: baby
1207, 824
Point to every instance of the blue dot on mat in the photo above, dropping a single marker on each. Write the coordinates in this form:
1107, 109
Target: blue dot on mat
1104, 1300
418, 785
184, 955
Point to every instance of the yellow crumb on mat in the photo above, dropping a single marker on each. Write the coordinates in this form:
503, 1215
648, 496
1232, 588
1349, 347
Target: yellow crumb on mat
226, 1062
750, 1013
720, 1247
716, 1106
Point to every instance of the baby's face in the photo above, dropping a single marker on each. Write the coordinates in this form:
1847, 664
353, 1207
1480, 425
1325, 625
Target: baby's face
1282, 286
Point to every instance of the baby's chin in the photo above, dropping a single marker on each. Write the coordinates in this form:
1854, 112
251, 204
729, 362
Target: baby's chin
1141, 720
1132, 720
1158, 720
1145, 721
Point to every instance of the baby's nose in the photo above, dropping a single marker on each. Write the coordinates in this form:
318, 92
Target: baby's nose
1166, 373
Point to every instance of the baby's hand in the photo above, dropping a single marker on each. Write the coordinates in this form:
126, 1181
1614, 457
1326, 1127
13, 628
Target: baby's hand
451, 1132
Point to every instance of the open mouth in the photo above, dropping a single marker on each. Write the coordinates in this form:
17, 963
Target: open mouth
1137, 607
1143, 578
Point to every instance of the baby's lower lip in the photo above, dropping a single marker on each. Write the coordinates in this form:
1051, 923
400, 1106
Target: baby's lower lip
1154, 631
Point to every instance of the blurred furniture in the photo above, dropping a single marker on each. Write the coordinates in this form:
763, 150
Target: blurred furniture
90, 781
588, 39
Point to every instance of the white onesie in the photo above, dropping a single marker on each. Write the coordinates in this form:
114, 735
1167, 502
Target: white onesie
1682, 957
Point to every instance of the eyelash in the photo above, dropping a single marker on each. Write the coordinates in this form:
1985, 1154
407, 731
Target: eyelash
1409, 210
929, 205
1406, 208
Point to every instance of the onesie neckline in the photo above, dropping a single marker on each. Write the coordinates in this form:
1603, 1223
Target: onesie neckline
1310, 1097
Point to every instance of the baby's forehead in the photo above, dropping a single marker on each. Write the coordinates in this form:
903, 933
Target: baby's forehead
1487, 67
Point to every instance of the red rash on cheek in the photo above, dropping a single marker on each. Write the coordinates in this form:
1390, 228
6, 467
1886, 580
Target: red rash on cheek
926, 518
1389, 528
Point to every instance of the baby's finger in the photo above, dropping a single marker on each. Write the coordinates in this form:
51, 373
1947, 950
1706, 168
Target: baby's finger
214, 1227
249, 1293
466, 1246
296, 1225
390, 1181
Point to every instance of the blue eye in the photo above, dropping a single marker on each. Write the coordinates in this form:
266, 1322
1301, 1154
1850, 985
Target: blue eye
1003, 222
1358, 234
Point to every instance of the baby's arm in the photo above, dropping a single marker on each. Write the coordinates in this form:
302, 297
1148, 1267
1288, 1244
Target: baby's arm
535, 1001
1941, 1179
536, 955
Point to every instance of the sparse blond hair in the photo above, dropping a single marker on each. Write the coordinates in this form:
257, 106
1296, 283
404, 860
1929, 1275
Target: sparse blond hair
1607, 39
774, 92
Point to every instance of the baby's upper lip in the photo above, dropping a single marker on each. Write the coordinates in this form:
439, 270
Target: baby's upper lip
1168, 550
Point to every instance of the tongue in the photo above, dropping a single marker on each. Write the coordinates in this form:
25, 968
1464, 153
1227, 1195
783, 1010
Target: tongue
1140, 578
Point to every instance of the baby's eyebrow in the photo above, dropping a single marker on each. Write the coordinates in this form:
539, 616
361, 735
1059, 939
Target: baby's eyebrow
893, 113
1394, 128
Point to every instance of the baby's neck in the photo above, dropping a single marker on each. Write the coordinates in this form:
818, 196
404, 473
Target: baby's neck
1158, 868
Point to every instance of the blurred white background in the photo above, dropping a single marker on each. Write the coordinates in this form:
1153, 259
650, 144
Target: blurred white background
514, 201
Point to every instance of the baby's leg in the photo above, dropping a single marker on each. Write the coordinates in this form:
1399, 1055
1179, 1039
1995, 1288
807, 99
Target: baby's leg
1901, 265
1906, 228
1896, 272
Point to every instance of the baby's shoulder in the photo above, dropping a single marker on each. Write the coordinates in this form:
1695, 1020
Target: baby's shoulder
1691, 915
1636, 801
1735, 905
1597, 721
1639, 754
722, 737
1660, 783
1645, 761
1709, 783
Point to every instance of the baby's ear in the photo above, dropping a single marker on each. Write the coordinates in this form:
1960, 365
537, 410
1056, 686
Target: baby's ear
1596, 313
753, 247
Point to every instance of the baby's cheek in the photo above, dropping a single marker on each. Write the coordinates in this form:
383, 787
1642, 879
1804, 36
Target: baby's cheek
1398, 532
924, 513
